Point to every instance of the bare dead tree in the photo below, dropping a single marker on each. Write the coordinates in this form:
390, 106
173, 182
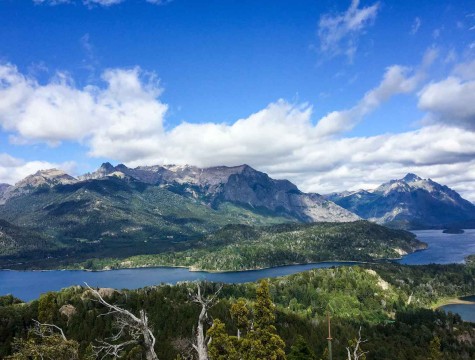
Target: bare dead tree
206, 303
127, 324
43, 330
48, 342
357, 353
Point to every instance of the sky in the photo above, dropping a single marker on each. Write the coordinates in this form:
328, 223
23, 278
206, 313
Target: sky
332, 95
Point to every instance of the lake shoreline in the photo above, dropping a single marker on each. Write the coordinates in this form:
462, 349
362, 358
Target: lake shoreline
195, 270
452, 301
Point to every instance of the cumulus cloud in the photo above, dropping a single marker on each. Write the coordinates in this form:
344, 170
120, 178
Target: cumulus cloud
14, 169
123, 120
126, 109
451, 100
338, 33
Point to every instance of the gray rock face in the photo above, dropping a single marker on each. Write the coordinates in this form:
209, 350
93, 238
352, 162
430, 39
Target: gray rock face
410, 202
239, 184
42, 178
3, 188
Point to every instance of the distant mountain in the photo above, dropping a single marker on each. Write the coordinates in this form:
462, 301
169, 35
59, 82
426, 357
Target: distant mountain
42, 178
119, 212
240, 185
411, 203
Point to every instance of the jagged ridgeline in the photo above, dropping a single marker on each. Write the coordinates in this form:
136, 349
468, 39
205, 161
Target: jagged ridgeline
410, 203
118, 212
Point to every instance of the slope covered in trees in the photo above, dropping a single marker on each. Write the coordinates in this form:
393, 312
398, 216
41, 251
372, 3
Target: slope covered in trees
390, 303
242, 247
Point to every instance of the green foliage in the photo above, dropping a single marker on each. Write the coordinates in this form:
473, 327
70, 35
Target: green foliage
9, 300
242, 247
264, 308
47, 308
374, 297
261, 341
47, 347
222, 346
301, 351
240, 313
434, 349
107, 218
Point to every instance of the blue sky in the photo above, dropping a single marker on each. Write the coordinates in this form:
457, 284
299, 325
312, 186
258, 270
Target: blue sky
331, 94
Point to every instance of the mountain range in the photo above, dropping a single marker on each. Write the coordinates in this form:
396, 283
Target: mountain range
117, 211
122, 211
409, 203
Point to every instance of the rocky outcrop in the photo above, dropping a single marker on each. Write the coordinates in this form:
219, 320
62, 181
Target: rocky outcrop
42, 178
68, 310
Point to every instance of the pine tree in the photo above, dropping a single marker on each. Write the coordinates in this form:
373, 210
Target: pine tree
222, 346
301, 351
434, 349
260, 342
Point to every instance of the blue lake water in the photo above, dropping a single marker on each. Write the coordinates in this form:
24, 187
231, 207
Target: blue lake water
466, 311
28, 285
443, 248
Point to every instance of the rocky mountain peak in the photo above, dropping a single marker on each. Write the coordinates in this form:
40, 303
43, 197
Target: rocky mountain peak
49, 177
410, 177
107, 166
410, 202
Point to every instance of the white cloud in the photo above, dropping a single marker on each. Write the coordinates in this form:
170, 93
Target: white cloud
125, 109
396, 80
124, 121
451, 100
13, 169
415, 26
338, 33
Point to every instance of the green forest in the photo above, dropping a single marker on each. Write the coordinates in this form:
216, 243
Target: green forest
386, 306
244, 247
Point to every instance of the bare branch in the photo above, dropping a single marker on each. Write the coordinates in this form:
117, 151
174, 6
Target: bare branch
127, 324
357, 352
206, 303
39, 329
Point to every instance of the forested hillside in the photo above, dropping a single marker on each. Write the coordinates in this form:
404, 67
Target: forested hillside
390, 303
243, 247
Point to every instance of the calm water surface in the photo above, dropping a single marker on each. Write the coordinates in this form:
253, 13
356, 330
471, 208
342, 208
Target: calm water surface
28, 285
467, 312
443, 248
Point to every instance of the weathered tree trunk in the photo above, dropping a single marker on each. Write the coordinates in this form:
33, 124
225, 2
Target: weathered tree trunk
201, 346
135, 327
149, 339
202, 341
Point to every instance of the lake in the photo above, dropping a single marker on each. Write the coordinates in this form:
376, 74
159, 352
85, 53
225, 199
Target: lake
466, 311
443, 248
28, 285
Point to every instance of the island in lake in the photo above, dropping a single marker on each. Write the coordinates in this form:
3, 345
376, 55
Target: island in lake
453, 231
